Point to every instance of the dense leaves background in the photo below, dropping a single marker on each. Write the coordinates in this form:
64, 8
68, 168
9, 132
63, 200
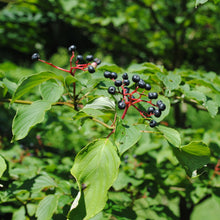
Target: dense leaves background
169, 172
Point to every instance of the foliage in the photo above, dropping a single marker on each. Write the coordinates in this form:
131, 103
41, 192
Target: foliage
122, 169
175, 33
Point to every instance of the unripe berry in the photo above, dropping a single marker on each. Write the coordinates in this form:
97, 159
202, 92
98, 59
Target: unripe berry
89, 57
148, 86
107, 74
126, 82
136, 78
35, 56
72, 48
153, 123
125, 76
121, 105
111, 90
118, 83
113, 75
157, 113
91, 69
141, 84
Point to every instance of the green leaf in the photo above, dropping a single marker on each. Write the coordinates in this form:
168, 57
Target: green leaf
198, 2
172, 135
102, 103
47, 207
199, 96
3, 90
111, 68
171, 81
32, 81
212, 108
19, 214
95, 168
208, 209
27, 117
3, 166
193, 156
126, 136
51, 90
43, 181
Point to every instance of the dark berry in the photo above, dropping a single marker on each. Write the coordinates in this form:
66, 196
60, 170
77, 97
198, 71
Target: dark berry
121, 104
125, 76
157, 113
79, 58
35, 56
97, 60
155, 95
150, 95
91, 69
72, 48
162, 106
141, 83
126, 90
153, 123
111, 90
159, 102
118, 83
89, 57
107, 74
150, 110
136, 78
126, 82
113, 75
148, 86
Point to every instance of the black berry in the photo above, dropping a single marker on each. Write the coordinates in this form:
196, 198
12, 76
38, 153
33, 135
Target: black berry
89, 57
97, 60
113, 75
35, 56
157, 113
79, 58
91, 69
126, 82
136, 78
121, 104
125, 76
118, 83
162, 106
155, 95
126, 90
72, 48
107, 74
151, 110
111, 90
141, 84
153, 123
159, 102
148, 86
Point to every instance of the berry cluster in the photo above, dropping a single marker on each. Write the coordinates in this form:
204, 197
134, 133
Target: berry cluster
89, 64
128, 97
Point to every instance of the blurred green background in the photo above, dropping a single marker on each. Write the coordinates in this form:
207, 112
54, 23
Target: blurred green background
172, 33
